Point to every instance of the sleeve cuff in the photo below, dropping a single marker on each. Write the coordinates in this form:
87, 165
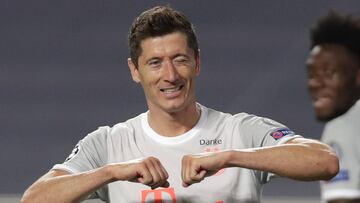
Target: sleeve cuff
65, 168
285, 139
340, 193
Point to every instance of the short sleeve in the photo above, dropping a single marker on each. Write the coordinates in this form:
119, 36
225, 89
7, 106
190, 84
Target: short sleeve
90, 153
261, 132
258, 131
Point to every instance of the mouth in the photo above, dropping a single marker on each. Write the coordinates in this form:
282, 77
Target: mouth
320, 101
170, 90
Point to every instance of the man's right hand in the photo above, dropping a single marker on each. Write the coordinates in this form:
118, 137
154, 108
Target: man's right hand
55, 183
148, 171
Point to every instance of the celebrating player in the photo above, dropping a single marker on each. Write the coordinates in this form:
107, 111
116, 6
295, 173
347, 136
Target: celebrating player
179, 150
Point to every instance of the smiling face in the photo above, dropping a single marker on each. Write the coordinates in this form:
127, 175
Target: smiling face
167, 69
333, 80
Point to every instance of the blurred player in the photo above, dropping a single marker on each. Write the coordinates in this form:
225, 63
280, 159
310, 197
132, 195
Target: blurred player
179, 150
334, 86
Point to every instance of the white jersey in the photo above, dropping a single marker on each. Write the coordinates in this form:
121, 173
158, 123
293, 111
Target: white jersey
343, 134
214, 131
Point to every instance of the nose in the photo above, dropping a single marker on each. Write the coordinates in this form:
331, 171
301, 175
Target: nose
170, 72
315, 83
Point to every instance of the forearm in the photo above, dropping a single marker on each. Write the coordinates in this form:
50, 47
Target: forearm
301, 161
67, 188
61, 187
345, 201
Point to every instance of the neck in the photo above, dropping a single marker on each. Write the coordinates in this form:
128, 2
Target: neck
174, 123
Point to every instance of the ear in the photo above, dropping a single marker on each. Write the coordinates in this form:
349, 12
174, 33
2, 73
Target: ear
197, 63
134, 71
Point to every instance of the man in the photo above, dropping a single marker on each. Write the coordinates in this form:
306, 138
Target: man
334, 86
180, 150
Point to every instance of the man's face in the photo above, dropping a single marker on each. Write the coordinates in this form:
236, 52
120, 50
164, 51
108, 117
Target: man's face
333, 80
167, 69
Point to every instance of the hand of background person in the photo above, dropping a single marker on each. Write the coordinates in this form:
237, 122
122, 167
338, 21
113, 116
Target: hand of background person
148, 171
198, 166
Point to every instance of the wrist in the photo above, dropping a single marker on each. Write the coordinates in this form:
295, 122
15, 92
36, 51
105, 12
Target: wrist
228, 157
108, 171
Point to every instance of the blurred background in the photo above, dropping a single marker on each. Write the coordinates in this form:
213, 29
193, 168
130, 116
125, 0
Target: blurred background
63, 73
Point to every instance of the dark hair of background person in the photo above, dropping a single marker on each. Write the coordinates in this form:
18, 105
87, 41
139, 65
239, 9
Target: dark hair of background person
337, 29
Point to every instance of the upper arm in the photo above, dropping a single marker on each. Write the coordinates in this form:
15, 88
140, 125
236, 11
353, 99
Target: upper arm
49, 175
301, 140
310, 143
55, 173
52, 174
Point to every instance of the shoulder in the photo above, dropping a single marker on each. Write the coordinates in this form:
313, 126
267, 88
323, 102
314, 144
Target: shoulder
216, 114
347, 123
353, 115
97, 135
241, 118
214, 117
103, 133
244, 118
128, 126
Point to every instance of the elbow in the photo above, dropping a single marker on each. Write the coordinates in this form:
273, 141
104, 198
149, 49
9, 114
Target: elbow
26, 198
30, 196
331, 167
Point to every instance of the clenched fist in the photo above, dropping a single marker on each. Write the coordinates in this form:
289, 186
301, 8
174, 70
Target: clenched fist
198, 166
148, 171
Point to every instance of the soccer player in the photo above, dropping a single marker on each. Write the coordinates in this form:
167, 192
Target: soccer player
179, 150
334, 86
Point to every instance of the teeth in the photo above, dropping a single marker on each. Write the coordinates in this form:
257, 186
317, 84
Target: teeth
171, 90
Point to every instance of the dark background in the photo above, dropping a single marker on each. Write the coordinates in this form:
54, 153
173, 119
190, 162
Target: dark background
63, 73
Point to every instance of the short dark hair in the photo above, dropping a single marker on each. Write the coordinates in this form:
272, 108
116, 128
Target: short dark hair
159, 21
337, 29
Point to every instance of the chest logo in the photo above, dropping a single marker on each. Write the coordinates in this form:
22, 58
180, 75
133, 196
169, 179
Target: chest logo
157, 195
161, 195
211, 142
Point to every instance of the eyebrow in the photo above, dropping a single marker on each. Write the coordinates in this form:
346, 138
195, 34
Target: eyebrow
184, 55
151, 59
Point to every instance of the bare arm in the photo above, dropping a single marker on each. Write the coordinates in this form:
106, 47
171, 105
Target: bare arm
345, 201
60, 186
299, 159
